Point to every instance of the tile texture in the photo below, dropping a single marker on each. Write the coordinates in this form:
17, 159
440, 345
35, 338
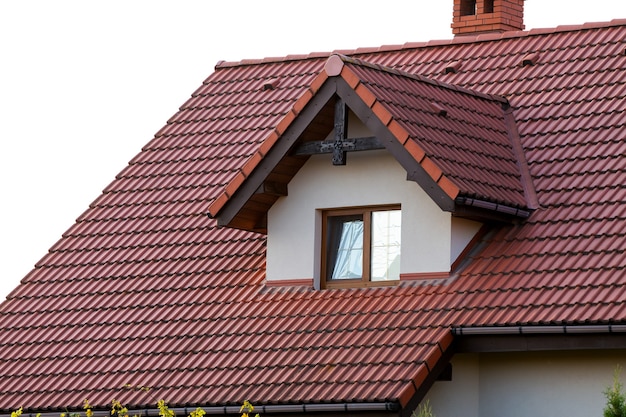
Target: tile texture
145, 290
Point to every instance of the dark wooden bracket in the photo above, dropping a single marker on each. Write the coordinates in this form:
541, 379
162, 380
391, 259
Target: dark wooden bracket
341, 132
340, 144
349, 145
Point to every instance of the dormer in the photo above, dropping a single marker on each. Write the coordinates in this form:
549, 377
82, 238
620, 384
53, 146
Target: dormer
369, 154
361, 224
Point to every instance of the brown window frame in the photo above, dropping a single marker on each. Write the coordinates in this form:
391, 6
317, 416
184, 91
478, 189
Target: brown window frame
364, 281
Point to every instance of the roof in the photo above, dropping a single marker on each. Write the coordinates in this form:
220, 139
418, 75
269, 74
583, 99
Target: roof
144, 289
459, 145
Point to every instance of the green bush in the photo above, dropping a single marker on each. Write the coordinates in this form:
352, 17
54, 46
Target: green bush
615, 398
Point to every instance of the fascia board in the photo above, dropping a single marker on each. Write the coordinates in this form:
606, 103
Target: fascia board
415, 172
277, 152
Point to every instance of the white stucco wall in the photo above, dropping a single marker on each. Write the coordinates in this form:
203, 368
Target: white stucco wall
369, 178
463, 231
431, 238
527, 384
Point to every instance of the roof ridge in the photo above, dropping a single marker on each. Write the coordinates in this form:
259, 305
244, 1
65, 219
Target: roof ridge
484, 37
422, 78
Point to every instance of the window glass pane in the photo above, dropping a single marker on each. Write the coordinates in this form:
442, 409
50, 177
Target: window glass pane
385, 263
345, 247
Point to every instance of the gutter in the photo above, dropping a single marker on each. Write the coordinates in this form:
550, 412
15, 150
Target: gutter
564, 329
498, 208
236, 410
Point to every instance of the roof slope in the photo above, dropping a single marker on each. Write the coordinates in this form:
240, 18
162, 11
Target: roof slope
462, 144
463, 132
145, 290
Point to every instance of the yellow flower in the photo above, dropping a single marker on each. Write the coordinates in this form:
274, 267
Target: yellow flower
118, 408
246, 408
164, 411
87, 408
198, 412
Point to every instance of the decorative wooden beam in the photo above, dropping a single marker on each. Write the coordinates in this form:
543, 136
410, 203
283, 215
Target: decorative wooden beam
340, 144
341, 132
350, 145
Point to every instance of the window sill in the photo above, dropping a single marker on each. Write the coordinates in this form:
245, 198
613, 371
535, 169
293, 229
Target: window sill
424, 276
357, 283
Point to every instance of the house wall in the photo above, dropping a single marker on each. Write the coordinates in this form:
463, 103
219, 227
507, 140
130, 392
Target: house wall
463, 231
568, 383
368, 178
431, 238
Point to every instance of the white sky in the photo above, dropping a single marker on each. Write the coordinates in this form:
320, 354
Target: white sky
84, 84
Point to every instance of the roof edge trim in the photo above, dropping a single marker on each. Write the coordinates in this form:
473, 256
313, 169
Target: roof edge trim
530, 194
279, 131
390, 70
529, 329
236, 410
243, 185
497, 207
410, 155
434, 363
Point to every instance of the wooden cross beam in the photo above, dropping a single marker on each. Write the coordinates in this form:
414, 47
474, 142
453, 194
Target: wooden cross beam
341, 132
340, 144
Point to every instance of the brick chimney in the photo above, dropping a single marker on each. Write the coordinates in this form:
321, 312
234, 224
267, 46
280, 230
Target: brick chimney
473, 17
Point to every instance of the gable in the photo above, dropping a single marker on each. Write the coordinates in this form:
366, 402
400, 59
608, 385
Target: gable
465, 156
433, 239
368, 179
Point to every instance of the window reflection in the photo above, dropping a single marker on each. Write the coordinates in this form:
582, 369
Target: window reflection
363, 244
346, 242
385, 263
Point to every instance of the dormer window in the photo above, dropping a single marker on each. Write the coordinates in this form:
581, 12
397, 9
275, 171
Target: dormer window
361, 246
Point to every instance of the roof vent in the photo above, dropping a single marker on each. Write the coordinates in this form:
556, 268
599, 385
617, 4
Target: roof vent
438, 109
484, 16
452, 68
270, 85
530, 60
